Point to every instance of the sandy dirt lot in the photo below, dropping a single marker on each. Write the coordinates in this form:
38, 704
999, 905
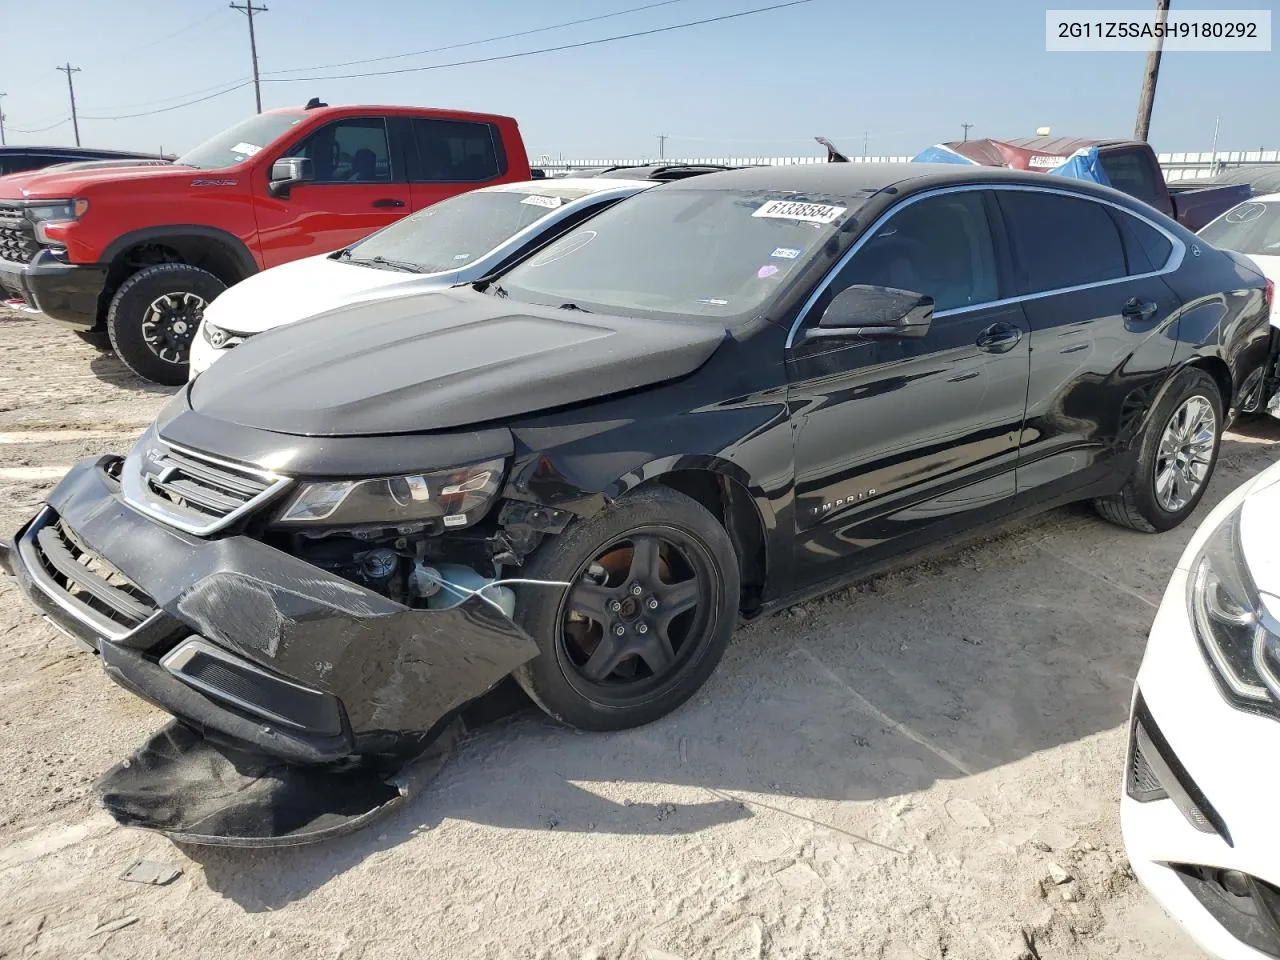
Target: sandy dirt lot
891, 772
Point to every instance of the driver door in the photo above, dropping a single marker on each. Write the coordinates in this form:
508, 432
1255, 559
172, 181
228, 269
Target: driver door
898, 438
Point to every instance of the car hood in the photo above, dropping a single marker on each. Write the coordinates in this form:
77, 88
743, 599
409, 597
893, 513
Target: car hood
440, 361
292, 291
50, 183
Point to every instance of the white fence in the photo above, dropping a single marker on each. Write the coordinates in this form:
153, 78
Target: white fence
1176, 166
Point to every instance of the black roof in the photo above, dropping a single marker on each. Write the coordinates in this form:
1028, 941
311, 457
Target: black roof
88, 153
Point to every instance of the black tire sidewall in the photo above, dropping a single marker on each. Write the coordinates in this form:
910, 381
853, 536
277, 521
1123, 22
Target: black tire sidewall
128, 306
539, 608
1185, 385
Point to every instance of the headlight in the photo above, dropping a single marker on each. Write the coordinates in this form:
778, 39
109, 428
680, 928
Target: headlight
218, 338
1230, 621
456, 498
55, 211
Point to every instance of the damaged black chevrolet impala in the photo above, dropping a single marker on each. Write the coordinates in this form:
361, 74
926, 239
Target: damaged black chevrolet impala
718, 396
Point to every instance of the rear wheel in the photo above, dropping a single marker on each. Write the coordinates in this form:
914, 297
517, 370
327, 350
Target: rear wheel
1175, 459
154, 317
652, 606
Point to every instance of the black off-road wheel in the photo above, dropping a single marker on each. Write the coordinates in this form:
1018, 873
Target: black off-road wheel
653, 603
154, 317
1176, 457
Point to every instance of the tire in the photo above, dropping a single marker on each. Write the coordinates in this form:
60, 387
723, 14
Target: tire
567, 678
1139, 506
155, 314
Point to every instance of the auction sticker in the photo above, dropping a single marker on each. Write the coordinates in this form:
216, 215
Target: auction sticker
539, 201
785, 253
248, 149
798, 210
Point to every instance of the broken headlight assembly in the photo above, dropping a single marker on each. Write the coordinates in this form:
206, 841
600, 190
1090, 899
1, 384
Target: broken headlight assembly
1239, 638
454, 498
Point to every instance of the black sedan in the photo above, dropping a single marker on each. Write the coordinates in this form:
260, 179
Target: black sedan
716, 397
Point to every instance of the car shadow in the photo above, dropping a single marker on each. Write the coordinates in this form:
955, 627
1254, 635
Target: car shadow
108, 368
960, 663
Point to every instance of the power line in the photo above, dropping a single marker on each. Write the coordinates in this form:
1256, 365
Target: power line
177, 33
177, 106
474, 43
69, 70
249, 10
52, 126
530, 53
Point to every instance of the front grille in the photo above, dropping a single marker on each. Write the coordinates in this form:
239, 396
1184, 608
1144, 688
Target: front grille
18, 242
195, 492
1143, 781
82, 583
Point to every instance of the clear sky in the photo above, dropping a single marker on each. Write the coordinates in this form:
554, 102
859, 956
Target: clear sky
906, 73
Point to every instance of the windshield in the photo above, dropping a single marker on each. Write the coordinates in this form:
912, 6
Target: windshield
454, 232
239, 143
1250, 228
684, 251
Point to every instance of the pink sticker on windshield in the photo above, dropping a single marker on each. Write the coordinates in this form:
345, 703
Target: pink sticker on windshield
768, 270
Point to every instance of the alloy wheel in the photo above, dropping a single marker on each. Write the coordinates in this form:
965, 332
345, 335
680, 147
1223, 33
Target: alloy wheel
169, 325
1185, 454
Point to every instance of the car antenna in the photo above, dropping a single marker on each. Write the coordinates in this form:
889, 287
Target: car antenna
314, 103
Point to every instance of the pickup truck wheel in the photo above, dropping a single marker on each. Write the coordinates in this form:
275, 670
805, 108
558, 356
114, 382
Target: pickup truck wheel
653, 604
154, 317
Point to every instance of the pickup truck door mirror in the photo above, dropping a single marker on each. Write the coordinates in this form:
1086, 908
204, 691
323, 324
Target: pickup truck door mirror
287, 172
862, 310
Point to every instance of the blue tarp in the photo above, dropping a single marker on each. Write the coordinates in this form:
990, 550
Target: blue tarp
939, 153
1083, 165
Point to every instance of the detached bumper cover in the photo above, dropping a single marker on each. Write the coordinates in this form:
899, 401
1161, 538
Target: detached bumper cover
249, 643
66, 292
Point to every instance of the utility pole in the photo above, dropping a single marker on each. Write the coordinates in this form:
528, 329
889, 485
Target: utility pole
75, 121
966, 131
662, 146
2, 96
249, 10
1147, 98
865, 137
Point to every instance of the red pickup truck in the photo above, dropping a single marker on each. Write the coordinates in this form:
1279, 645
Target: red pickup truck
136, 252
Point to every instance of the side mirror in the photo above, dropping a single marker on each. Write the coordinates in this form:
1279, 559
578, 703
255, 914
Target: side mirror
863, 310
287, 172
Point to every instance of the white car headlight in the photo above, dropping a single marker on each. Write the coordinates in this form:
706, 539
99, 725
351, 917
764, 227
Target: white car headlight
455, 498
1233, 628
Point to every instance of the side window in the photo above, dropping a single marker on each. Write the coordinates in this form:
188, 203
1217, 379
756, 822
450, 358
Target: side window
1145, 247
939, 246
1059, 241
349, 151
1133, 172
451, 151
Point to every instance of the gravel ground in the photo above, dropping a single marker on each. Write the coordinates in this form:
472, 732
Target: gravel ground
891, 772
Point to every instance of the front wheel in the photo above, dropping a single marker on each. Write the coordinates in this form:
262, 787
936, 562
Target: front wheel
154, 317
652, 604
1176, 457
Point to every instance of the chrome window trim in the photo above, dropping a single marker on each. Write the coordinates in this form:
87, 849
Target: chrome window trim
1176, 254
136, 494
100, 625
177, 659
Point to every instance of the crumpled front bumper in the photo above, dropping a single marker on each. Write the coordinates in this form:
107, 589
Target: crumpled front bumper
247, 643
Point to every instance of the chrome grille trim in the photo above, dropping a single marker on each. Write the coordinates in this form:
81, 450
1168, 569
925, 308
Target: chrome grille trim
192, 491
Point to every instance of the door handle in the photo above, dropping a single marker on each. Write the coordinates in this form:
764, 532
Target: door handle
388, 202
1136, 309
999, 338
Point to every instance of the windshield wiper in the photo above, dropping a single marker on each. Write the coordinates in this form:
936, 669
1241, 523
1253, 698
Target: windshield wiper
382, 262
574, 306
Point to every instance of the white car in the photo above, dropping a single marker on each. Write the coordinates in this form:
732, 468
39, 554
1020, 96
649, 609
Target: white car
1253, 228
459, 240
1198, 808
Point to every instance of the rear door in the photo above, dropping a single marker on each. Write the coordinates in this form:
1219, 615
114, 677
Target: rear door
1102, 330
361, 184
448, 157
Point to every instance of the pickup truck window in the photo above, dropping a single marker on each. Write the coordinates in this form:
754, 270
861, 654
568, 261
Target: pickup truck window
1250, 228
1044, 225
453, 151
237, 144
1132, 171
1145, 248
346, 151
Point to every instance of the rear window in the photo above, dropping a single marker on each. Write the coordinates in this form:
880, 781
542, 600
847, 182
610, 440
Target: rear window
1250, 228
1060, 241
